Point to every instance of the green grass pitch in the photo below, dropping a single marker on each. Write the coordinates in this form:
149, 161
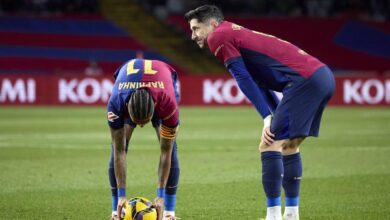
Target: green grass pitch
53, 164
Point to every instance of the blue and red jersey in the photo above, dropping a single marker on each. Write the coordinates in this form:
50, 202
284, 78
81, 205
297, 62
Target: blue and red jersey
260, 62
271, 61
157, 77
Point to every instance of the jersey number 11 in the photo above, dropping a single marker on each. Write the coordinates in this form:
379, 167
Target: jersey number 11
147, 68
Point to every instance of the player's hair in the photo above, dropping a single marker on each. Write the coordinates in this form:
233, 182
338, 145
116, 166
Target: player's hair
204, 13
141, 106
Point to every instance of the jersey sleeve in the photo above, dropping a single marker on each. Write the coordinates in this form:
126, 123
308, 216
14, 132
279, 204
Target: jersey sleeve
257, 95
115, 114
224, 46
169, 113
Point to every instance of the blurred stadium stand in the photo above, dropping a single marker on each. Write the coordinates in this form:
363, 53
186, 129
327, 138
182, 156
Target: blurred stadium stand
365, 9
65, 36
341, 43
65, 44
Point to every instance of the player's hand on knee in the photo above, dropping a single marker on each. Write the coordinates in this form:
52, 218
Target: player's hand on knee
267, 136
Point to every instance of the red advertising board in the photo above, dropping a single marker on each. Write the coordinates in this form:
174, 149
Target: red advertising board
195, 90
358, 90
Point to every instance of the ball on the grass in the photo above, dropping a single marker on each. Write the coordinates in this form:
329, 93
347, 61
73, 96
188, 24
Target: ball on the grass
139, 208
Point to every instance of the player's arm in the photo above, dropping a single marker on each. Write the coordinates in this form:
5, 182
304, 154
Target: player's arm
119, 141
118, 131
166, 146
273, 102
167, 138
259, 96
251, 90
225, 46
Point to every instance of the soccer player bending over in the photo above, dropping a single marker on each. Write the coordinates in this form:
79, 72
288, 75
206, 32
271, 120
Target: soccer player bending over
261, 62
144, 90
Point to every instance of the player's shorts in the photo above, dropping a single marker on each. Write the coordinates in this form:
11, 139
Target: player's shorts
156, 121
299, 112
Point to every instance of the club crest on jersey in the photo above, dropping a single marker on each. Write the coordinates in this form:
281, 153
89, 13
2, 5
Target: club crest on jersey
112, 117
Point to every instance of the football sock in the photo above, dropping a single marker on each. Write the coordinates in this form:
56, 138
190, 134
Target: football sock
292, 178
169, 202
173, 181
272, 175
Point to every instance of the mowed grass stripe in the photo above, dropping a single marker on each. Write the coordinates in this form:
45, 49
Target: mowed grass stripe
54, 164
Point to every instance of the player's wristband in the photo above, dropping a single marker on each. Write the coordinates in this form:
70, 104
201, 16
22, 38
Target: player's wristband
267, 121
121, 192
161, 192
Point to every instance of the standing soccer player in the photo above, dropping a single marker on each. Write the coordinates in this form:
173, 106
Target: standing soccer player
260, 62
144, 90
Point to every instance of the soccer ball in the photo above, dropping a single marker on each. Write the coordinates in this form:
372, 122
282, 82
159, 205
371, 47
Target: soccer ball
139, 208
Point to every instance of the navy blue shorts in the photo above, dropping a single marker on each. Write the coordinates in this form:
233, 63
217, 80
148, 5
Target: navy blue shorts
299, 112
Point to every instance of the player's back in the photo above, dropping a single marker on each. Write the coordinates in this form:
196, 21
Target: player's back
270, 60
142, 70
155, 76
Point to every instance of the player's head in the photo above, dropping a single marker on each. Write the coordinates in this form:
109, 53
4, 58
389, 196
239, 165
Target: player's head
141, 107
203, 20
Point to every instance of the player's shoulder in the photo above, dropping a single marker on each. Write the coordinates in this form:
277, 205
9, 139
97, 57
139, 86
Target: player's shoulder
161, 65
225, 32
114, 97
221, 31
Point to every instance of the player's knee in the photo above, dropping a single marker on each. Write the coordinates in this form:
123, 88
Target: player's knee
263, 146
276, 146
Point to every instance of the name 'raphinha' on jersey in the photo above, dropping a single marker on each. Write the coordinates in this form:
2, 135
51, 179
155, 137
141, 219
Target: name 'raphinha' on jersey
136, 85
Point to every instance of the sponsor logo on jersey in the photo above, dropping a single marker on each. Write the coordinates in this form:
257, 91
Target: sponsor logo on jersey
111, 117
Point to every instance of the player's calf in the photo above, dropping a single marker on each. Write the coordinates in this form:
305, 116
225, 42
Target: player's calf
272, 175
292, 165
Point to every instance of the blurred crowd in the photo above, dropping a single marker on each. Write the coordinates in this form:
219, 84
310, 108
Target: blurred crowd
366, 9
49, 7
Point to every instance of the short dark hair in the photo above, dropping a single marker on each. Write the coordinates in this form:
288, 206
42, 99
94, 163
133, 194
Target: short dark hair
141, 105
204, 13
